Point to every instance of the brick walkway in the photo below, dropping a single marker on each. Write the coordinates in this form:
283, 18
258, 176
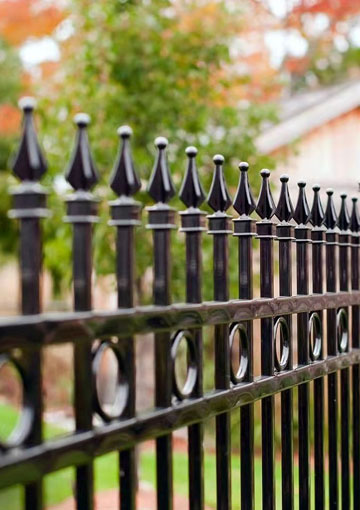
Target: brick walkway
108, 500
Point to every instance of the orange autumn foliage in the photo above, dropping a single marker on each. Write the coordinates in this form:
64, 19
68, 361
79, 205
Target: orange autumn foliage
21, 19
9, 119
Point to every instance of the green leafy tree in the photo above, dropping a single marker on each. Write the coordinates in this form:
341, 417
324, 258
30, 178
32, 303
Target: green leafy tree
165, 68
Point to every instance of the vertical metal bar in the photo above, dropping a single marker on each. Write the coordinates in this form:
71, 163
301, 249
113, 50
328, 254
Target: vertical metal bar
284, 234
355, 331
317, 237
29, 206
83, 391
161, 221
244, 230
331, 241
301, 216
265, 232
82, 213
125, 217
192, 225
344, 237
219, 200
125, 213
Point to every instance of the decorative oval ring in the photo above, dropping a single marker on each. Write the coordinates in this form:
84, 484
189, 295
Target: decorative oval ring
192, 369
238, 377
342, 329
284, 344
316, 327
25, 421
122, 386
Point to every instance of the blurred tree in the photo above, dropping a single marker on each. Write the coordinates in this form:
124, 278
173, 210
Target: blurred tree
330, 30
165, 68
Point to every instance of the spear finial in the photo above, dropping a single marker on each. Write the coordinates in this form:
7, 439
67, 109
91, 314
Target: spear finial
265, 206
82, 173
302, 211
29, 163
317, 212
124, 180
330, 211
160, 187
344, 217
191, 192
355, 217
244, 202
284, 210
218, 198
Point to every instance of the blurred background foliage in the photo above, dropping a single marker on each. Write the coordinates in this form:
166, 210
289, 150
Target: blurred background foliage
198, 72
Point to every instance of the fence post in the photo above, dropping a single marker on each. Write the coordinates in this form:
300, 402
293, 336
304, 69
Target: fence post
219, 201
343, 346
355, 344
284, 231
192, 224
316, 349
244, 230
29, 206
265, 233
161, 222
82, 213
301, 216
125, 217
331, 242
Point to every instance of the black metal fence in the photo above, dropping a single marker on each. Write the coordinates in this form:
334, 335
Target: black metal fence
326, 323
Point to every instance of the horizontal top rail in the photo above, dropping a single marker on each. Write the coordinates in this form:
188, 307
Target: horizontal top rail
47, 329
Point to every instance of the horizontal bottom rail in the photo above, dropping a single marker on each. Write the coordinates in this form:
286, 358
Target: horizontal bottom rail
47, 329
24, 466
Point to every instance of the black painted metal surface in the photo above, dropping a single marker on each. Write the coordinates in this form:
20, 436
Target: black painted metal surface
328, 349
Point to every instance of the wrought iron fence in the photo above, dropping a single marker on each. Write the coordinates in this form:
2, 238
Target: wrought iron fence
326, 339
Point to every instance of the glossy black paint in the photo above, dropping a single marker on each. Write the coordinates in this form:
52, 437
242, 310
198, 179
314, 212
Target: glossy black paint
29, 206
284, 212
244, 230
301, 216
26, 459
219, 200
125, 213
81, 213
316, 322
265, 232
192, 223
331, 244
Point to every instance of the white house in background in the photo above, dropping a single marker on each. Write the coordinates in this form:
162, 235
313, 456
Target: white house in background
318, 138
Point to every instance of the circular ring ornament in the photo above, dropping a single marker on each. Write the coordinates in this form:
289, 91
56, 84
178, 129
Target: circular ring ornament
342, 329
315, 327
122, 387
238, 376
25, 421
282, 326
192, 369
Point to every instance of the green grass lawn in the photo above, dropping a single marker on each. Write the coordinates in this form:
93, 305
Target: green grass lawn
59, 485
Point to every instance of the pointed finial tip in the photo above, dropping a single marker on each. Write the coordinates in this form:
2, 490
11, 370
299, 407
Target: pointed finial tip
354, 199
265, 173
82, 119
124, 131
191, 151
243, 166
343, 195
301, 184
330, 192
161, 142
27, 103
218, 159
316, 187
284, 178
